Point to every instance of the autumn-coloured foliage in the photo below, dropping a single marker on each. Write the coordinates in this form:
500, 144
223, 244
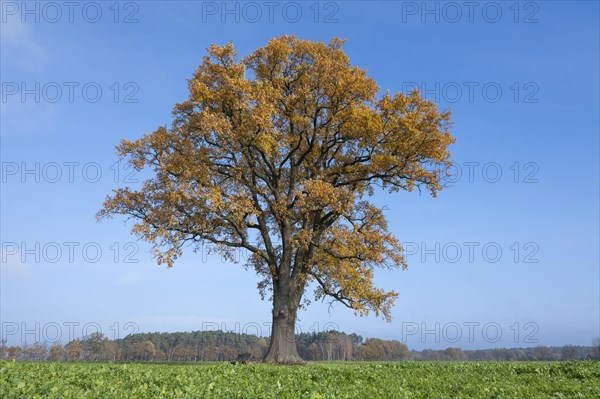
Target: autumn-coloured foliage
277, 153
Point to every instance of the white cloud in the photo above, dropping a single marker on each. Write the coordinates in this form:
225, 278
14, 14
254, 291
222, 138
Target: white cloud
132, 278
11, 265
20, 46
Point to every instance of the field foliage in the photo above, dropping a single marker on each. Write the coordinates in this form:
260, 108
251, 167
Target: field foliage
316, 380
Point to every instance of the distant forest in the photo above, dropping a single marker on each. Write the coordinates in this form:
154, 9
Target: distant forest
219, 346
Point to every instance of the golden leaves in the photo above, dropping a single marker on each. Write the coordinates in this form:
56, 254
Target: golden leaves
346, 260
317, 195
267, 144
282, 146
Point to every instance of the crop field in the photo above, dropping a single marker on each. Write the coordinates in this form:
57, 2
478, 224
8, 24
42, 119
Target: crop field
316, 380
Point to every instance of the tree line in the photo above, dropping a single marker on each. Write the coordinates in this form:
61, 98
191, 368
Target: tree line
219, 346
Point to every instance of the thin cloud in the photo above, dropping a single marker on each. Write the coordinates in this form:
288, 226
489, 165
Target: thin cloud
11, 265
20, 47
132, 278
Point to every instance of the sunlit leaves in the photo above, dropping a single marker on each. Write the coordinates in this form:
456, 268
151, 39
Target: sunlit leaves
274, 153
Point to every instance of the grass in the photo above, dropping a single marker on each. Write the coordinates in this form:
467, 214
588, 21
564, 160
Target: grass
316, 380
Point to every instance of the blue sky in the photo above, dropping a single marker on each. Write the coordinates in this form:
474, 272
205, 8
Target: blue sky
508, 255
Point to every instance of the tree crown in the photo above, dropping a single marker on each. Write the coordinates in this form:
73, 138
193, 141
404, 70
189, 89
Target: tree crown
277, 153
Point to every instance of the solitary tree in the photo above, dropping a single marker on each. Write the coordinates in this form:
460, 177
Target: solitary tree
276, 154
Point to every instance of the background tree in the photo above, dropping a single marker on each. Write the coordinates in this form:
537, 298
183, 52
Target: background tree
149, 350
276, 153
111, 351
378, 349
455, 354
75, 350
3, 348
14, 352
542, 352
95, 346
57, 352
35, 352
569, 352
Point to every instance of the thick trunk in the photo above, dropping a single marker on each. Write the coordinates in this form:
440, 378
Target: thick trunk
282, 348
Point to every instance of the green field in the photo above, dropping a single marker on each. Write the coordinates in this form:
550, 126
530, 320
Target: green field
318, 380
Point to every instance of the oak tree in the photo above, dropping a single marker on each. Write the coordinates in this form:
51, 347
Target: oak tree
277, 153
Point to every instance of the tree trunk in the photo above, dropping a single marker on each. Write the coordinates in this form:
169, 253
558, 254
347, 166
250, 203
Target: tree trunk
282, 348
